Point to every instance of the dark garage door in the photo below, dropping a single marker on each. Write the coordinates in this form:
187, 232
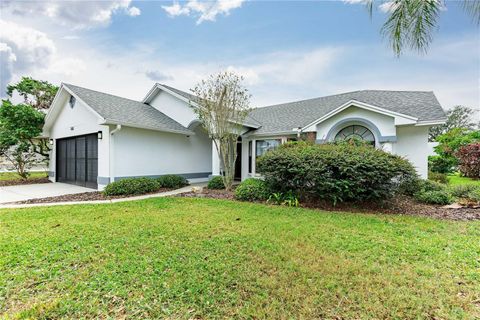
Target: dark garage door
77, 160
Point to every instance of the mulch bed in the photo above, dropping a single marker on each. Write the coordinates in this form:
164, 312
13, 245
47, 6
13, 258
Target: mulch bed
399, 205
6, 183
86, 196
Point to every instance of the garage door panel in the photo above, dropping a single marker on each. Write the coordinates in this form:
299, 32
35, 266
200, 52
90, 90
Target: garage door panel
77, 160
70, 161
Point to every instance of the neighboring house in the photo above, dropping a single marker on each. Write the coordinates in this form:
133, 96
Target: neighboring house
98, 138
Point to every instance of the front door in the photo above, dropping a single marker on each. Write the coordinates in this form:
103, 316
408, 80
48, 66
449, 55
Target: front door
238, 161
77, 160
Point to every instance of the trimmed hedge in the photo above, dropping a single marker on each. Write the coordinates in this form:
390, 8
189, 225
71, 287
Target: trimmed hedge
216, 183
172, 181
252, 189
334, 172
131, 186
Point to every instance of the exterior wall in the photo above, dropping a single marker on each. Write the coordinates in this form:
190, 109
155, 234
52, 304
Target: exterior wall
384, 123
173, 107
412, 143
83, 121
139, 152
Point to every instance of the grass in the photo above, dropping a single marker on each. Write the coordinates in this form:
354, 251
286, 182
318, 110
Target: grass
456, 179
180, 258
4, 176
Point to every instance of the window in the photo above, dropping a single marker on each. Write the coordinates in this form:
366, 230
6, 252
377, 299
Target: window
356, 132
263, 146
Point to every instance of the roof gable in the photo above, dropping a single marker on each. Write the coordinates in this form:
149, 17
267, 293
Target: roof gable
283, 118
117, 110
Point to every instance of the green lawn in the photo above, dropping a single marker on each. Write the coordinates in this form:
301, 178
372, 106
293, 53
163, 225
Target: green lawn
14, 176
180, 258
457, 179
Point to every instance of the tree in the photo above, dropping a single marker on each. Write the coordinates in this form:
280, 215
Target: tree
449, 143
39, 94
410, 23
20, 125
222, 104
457, 117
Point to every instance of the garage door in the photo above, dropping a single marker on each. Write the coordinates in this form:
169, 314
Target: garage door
77, 160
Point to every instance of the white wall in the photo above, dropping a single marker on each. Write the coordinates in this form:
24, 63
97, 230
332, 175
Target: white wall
173, 107
384, 123
412, 143
83, 121
139, 152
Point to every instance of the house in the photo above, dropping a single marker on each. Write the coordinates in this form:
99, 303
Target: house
97, 138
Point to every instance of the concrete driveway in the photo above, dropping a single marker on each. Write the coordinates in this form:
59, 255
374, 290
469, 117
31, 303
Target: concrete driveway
41, 190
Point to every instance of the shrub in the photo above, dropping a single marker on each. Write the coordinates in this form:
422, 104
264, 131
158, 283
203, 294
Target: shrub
438, 177
131, 186
410, 185
288, 199
172, 181
442, 197
428, 185
335, 172
474, 195
216, 183
441, 164
252, 190
463, 190
469, 160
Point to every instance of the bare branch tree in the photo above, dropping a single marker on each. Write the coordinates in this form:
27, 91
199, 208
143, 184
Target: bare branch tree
222, 105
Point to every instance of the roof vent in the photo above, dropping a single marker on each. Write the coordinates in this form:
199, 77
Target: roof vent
72, 101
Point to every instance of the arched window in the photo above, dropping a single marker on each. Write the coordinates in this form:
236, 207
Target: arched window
356, 132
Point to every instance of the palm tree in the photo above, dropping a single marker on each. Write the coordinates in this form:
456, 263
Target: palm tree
410, 23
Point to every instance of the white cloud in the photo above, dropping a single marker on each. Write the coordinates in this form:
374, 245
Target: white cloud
73, 14
22, 48
25, 50
203, 10
176, 10
133, 11
7, 59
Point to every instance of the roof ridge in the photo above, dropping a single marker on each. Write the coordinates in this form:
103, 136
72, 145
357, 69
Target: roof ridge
340, 94
380, 90
309, 99
108, 94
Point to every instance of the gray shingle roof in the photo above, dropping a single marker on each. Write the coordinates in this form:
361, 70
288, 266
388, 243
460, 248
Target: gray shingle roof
184, 94
117, 110
249, 121
284, 117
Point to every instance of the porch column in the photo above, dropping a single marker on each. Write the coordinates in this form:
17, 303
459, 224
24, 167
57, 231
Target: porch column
215, 161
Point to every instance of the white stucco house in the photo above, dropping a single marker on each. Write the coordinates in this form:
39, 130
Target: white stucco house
97, 138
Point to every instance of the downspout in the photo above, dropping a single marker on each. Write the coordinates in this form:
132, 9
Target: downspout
112, 172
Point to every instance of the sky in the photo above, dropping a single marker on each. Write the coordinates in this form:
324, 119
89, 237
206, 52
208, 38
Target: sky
286, 50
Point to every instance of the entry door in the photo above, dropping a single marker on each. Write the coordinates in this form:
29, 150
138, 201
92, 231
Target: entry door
77, 160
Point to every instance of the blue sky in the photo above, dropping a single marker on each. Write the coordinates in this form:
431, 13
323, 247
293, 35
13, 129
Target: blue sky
286, 50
